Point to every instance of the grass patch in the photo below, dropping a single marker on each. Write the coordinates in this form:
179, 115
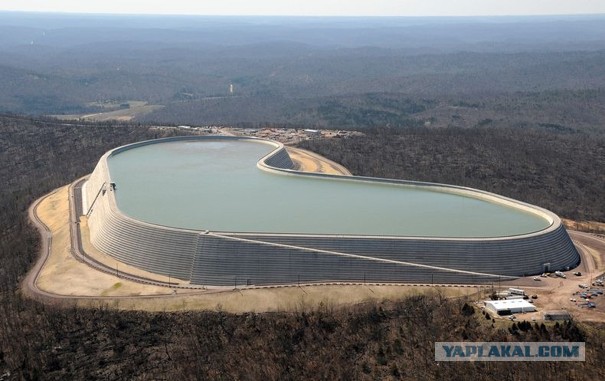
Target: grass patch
112, 288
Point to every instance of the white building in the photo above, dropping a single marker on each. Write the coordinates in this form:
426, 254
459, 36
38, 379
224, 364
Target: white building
312, 132
509, 307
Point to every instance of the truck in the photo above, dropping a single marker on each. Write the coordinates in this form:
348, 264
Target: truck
514, 297
560, 274
516, 291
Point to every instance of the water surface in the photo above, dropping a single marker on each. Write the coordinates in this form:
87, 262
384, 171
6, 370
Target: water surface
216, 185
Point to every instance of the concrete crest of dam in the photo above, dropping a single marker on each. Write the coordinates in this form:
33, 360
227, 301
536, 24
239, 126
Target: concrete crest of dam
212, 210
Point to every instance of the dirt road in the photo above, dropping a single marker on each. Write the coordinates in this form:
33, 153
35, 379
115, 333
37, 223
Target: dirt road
308, 161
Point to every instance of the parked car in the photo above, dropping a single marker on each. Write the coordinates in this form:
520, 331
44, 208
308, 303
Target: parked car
577, 273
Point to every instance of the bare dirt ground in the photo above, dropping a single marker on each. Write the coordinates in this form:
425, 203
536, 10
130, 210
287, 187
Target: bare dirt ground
308, 161
585, 226
62, 274
137, 108
555, 293
287, 298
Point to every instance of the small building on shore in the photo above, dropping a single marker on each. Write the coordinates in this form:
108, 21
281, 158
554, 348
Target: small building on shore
509, 307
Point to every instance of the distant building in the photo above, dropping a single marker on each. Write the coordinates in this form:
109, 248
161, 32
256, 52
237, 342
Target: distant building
509, 307
557, 315
312, 132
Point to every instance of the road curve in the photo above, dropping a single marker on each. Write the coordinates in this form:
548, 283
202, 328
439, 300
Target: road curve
592, 241
30, 283
311, 162
78, 252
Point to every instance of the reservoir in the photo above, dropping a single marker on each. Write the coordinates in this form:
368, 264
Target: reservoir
216, 185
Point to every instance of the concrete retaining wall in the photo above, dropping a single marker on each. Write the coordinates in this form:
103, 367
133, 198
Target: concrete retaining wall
230, 258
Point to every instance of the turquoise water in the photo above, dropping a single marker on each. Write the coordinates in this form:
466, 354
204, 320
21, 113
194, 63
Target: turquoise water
216, 185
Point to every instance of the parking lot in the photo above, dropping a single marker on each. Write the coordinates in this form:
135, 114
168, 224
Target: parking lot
581, 295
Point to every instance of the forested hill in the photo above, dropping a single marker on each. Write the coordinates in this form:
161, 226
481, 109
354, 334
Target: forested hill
37, 156
560, 171
302, 71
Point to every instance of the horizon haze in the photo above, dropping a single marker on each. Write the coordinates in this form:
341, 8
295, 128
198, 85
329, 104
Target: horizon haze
412, 8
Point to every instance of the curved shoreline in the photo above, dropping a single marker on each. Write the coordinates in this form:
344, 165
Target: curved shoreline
220, 258
277, 161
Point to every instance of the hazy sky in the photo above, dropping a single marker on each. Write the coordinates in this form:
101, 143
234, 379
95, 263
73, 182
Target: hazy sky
316, 7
